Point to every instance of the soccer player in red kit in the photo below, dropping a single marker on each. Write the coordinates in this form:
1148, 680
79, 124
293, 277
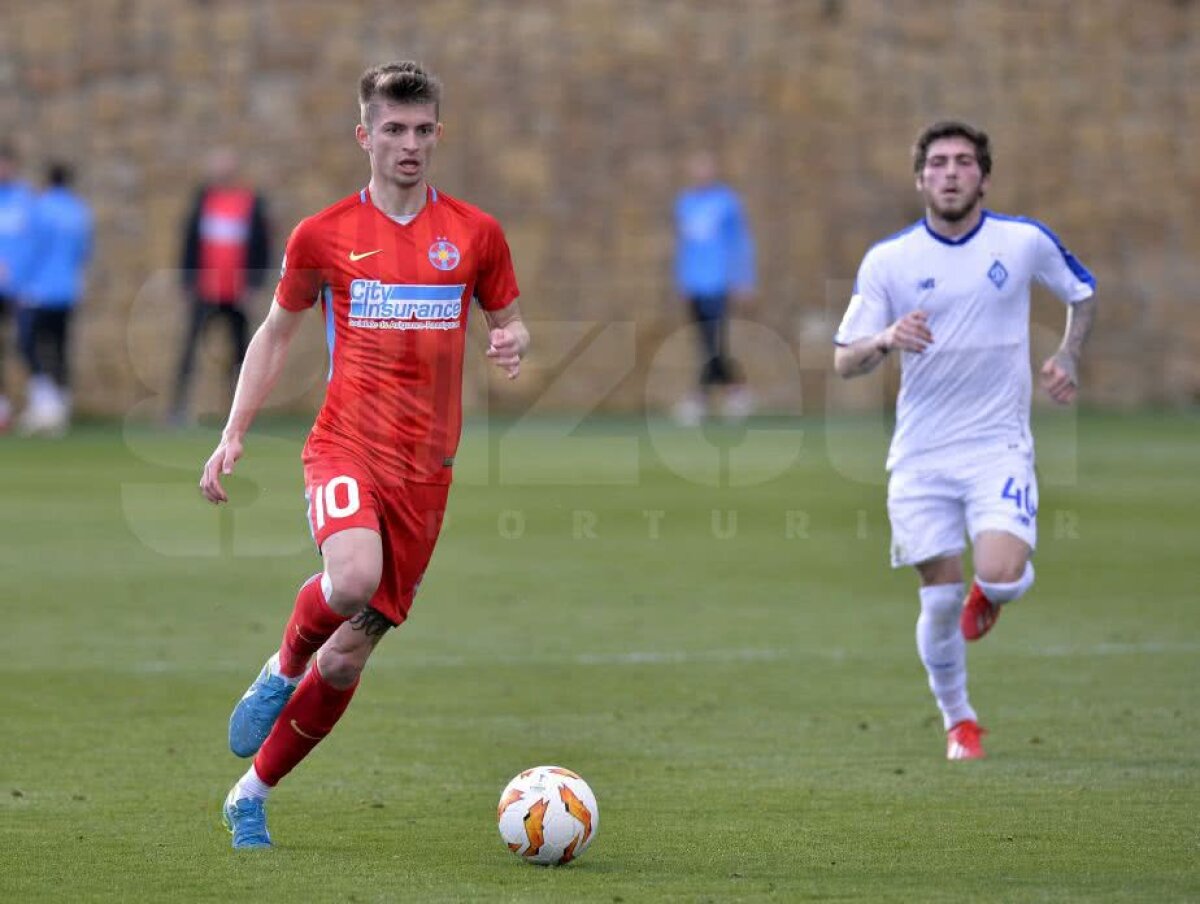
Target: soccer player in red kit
394, 267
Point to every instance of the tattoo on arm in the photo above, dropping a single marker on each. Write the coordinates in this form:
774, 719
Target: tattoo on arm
1080, 318
371, 622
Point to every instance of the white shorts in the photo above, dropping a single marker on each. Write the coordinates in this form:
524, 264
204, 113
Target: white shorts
934, 511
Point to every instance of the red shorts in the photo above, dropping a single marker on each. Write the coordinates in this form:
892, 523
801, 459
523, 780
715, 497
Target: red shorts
407, 516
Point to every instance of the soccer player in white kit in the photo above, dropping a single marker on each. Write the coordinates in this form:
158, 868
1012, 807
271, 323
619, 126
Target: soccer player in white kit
951, 293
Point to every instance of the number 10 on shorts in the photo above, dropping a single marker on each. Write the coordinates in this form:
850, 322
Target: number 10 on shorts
337, 498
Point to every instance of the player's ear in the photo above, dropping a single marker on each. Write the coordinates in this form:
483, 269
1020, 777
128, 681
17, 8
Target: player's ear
363, 137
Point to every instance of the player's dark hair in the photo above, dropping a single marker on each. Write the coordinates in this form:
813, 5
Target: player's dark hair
950, 128
405, 82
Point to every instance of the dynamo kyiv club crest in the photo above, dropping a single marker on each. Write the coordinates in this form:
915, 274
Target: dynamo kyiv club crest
998, 274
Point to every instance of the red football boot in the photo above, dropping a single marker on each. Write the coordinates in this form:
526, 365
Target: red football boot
964, 741
978, 614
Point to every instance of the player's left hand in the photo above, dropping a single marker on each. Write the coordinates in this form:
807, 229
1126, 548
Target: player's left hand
1059, 378
504, 349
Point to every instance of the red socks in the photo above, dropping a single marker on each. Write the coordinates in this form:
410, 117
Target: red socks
312, 712
312, 623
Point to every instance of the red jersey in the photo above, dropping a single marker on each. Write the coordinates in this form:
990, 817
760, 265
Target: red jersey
395, 299
224, 238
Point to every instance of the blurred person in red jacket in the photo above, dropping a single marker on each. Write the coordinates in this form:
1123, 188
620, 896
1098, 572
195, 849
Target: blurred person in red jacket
223, 262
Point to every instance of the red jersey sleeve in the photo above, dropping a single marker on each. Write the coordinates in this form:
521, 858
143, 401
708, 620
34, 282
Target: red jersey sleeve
496, 284
300, 279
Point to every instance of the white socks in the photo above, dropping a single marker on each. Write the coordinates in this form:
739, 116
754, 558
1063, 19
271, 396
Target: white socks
250, 785
943, 651
1006, 593
273, 668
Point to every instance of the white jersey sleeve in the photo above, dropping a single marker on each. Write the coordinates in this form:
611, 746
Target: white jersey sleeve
1059, 271
870, 309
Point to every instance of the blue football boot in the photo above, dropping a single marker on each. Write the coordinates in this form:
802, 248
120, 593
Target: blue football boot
256, 712
246, 820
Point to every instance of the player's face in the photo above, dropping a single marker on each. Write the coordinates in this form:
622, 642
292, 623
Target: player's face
951, 181
400, 141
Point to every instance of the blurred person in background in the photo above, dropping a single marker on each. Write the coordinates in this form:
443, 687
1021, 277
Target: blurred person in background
951, 294
16, 205
224, 261
714, 271
61, 238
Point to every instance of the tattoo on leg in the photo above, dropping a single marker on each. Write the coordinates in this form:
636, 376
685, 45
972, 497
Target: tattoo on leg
371, 622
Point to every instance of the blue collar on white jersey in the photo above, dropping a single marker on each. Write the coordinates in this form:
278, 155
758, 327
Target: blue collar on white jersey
962, 239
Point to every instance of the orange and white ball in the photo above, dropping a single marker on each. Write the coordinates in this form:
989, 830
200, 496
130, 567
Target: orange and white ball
548, 815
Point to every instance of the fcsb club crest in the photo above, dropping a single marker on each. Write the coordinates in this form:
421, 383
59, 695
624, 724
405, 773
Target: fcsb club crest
444, 255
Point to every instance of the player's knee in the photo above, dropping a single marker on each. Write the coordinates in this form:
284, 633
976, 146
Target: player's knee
1009, 590
940, 572
999, 572
351, 589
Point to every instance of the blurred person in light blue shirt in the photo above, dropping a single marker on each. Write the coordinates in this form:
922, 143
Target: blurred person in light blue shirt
61, 237
714, 269
16, 203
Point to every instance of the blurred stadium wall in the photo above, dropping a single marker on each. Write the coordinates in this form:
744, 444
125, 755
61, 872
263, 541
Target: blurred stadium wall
568, 119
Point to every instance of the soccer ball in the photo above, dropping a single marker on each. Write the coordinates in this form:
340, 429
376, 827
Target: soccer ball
548, 815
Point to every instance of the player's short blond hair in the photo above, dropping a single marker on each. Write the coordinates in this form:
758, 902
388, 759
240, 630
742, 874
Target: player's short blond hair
404, 82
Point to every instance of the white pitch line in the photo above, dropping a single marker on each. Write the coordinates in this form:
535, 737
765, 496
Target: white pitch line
401, 660
673, 657
765, 654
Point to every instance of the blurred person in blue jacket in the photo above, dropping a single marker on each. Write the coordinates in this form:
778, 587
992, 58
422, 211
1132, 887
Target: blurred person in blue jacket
16, 203
61, 238
714, 270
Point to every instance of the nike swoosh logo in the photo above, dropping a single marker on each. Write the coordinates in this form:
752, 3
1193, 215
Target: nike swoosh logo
357, 257
300, 731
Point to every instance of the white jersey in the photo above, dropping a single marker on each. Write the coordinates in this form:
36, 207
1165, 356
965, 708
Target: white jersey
971, 388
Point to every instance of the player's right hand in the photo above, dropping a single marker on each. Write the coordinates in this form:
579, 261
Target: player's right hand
910, 333
220, 462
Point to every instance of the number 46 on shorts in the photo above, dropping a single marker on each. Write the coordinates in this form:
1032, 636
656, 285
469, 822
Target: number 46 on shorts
1022, 497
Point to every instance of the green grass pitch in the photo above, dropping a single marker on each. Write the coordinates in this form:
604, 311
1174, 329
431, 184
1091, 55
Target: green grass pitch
702, 624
